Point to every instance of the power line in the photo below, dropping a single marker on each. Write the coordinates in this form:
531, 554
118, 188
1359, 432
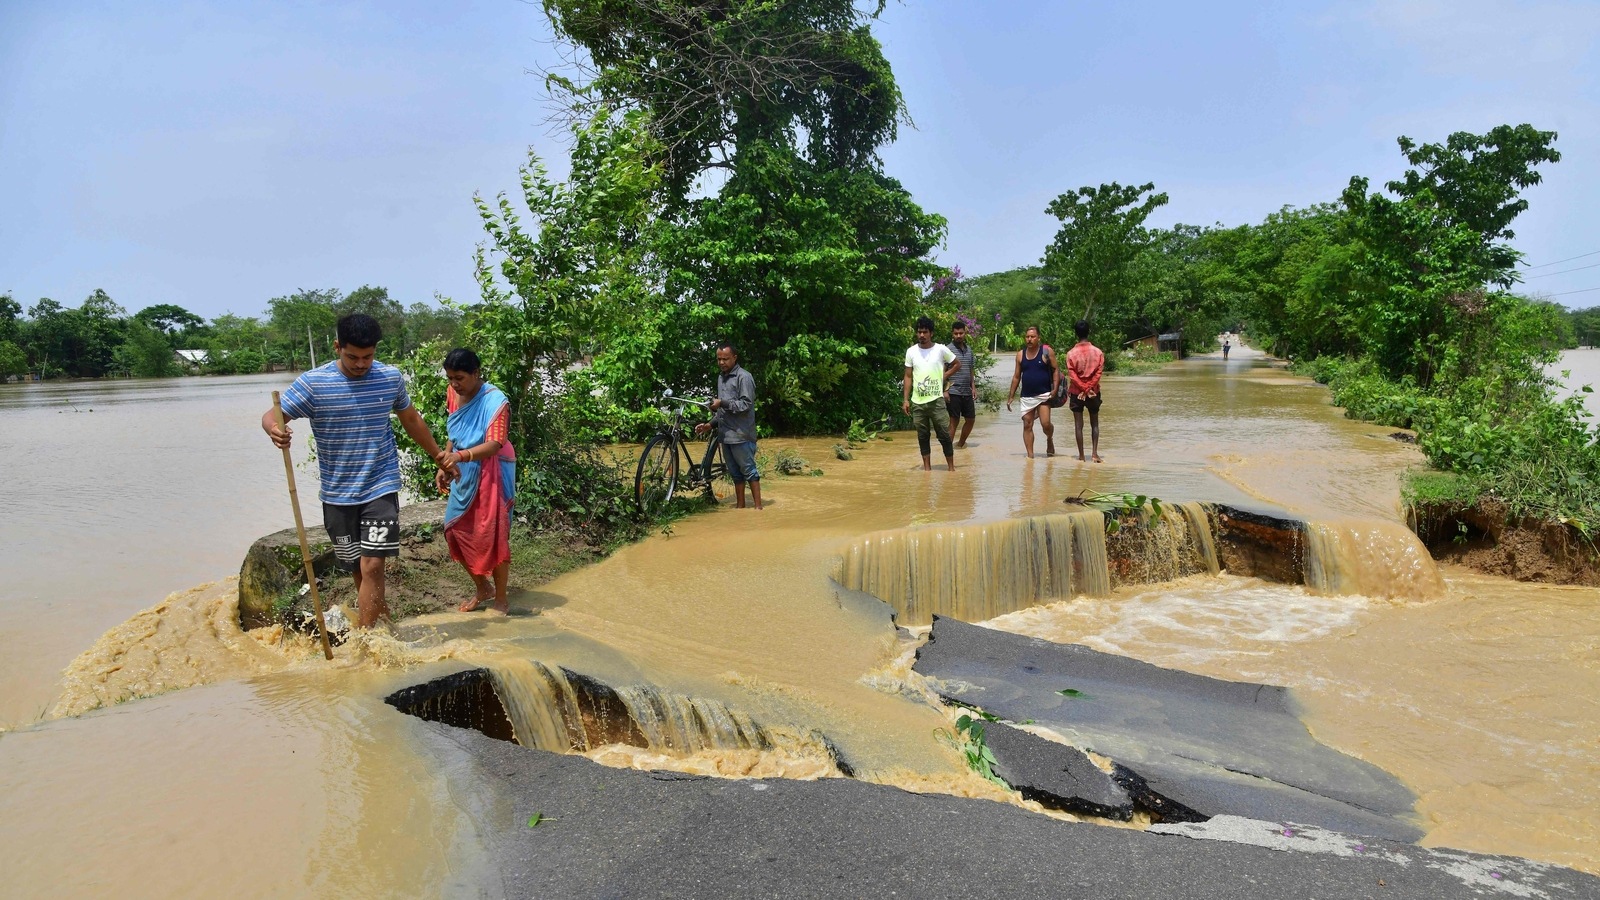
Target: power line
1579, 291
1564, 271
1560, 261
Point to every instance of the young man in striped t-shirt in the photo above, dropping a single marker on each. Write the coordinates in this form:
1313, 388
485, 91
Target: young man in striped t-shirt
349, 401
958, 392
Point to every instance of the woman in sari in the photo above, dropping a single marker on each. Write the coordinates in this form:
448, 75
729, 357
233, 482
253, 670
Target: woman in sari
477, 520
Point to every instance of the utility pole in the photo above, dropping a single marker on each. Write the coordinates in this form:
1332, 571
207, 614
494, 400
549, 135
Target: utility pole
311, 346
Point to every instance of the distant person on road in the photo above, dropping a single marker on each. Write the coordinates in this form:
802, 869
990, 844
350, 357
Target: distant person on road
928, 367
1225, 342
1085, 364
1037, 375
733, 414
477, 519
958, 389
349, 401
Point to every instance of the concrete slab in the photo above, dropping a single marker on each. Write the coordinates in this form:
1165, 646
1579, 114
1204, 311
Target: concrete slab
1215, 747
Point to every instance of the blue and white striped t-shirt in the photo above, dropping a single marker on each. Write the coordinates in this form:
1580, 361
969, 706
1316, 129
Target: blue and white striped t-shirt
356, 453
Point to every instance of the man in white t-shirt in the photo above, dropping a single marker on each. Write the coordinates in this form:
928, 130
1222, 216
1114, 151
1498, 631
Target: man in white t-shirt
928, 367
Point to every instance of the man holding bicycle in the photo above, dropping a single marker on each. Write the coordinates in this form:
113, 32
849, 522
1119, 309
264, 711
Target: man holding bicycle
734, 415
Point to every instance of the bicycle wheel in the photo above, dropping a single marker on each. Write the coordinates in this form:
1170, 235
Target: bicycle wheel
714, 467
657, 476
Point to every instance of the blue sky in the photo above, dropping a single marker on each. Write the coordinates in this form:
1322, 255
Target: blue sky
215, 155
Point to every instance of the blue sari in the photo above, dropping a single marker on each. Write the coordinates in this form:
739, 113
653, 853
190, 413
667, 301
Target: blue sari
477, 518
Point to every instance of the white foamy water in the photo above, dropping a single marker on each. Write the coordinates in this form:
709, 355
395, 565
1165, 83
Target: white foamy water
1197, 620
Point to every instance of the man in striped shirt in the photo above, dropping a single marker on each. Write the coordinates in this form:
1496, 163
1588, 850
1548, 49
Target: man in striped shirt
958, 393
349, 401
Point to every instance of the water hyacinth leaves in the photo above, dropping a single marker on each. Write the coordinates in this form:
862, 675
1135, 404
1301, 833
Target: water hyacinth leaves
1118, 506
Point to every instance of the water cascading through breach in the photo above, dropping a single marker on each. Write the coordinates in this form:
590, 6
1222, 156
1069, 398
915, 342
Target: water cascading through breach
1373, 558
553, 709
977, 572
1149, 549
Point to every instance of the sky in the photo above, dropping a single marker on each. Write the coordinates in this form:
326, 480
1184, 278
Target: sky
216, 155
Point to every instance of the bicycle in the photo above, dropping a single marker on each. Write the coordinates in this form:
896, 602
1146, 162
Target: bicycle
666, 458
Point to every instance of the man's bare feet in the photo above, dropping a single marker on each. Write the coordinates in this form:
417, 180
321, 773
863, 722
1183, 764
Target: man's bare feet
1097, 458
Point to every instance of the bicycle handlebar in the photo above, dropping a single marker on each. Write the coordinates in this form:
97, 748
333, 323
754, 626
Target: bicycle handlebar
686, 400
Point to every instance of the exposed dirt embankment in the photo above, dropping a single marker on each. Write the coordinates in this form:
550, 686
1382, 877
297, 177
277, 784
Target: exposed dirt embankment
1487, 538
423, 579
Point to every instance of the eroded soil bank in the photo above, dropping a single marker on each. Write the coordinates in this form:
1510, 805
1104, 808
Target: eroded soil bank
1486, 538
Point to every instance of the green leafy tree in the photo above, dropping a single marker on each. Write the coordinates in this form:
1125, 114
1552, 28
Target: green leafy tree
426, 323
13, 361
547, 292
1019, 297
101, 324
170, 320
1297, 273
237, 362
717, 76
1440, 236
231, 333
1586, 327
304, 315
1176, 285
1091, 258
813, 272
10, 318
806, 254
145, 352
391, 316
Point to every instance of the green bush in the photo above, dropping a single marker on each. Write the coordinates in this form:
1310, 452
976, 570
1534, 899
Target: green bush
593, 417
1371, 397
239, 362
1136, 360
1322, 369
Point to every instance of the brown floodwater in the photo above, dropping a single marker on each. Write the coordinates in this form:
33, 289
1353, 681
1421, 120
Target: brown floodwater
1479, 694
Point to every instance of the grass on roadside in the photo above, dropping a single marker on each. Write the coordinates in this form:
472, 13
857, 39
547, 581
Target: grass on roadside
1431, 486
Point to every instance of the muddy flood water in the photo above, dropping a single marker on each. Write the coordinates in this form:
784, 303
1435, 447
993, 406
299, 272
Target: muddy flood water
248, 766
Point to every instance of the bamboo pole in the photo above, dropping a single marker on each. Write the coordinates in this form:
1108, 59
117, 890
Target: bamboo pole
300, 526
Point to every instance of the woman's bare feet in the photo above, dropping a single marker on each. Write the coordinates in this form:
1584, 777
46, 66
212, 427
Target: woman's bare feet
473, 604
500, 608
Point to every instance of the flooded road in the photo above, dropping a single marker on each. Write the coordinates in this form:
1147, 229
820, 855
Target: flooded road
1480, 698
127, 491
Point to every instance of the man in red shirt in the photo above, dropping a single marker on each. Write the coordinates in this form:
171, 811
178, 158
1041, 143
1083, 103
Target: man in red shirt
1085, 363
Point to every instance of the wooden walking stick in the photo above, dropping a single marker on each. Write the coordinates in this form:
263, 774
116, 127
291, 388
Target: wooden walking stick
300, 526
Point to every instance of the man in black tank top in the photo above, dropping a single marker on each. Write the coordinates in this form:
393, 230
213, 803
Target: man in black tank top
1037, 375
